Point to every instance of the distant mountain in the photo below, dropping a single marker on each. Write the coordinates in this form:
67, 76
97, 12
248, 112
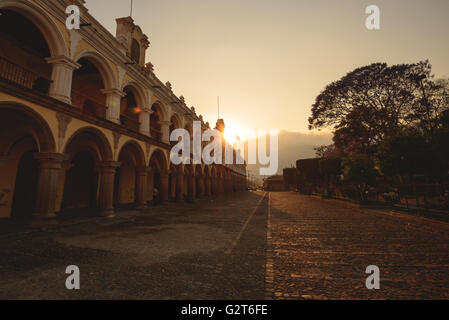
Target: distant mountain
294, 146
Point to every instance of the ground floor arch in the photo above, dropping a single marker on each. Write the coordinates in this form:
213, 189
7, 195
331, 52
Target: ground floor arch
25, 138
130, 177
89, 174
158, 178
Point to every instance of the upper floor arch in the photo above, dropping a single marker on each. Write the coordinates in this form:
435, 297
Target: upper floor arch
49, 30
108, 75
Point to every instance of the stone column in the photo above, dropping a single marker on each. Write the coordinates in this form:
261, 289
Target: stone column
144, 120
61, 77
179, 185
141, 186
213, 185
191, 187
164, 187
172, 184
50, 165
208, 186
165, 131
107, 171
113, 100
201, 187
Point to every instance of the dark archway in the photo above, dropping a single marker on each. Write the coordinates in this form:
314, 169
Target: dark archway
126, 185
80, 190
135, 51
22, 134
87, 89
85, 148
130, 109
23, 63
155, 119
25, 191
158, 167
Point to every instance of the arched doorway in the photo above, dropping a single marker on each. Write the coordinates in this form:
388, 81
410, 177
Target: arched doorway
86, 149
87, 89
80, 190
127, 184
199, 181
172, 181
130, 109
158, 178
23, 62
175, 123
155, 119
23, 134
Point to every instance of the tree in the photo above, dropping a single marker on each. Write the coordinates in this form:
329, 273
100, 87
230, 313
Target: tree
370, 103
359, 170
405, 154
330, 170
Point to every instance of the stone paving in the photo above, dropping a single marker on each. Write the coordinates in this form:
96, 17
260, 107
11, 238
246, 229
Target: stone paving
218, 249
321, 249
175, 251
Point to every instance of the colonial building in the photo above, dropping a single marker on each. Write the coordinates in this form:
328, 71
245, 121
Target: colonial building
85, 122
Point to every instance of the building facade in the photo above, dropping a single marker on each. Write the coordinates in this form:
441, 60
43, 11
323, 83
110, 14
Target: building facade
84, 121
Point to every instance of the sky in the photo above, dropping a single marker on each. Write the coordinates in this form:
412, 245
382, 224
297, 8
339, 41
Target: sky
269, 59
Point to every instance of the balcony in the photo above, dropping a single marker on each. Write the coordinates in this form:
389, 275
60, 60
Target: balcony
16, 74
156, 134
129, 122
88, 106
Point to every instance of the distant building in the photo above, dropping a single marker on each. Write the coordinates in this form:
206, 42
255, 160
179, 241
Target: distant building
274, 183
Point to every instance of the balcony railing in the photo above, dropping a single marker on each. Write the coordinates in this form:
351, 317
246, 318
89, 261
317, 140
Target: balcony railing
156, 134
17, 74
129, 122
87, 105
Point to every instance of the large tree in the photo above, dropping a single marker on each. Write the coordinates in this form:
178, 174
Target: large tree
372, 102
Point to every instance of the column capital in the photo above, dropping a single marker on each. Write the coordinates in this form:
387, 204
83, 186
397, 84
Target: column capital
166, 123
114, 91
108, 165
50, 160
63, 60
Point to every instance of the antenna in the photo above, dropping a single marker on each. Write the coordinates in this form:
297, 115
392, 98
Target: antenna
131, 13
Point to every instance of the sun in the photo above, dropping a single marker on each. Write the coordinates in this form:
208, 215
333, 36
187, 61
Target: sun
233, 133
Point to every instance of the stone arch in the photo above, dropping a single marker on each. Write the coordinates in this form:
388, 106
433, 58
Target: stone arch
162, 108
126, 186
90, 139
27, 121
158, 177
23, 134
87, 149
104, 68
138, 92
175, 121
48, 28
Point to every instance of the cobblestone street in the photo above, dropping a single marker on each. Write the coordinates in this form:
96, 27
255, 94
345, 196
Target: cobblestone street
315, 249
321, 249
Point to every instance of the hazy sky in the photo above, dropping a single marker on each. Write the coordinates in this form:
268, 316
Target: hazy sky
269, 59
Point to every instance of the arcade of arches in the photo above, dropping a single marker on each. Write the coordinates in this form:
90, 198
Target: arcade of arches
39, 183
76, 137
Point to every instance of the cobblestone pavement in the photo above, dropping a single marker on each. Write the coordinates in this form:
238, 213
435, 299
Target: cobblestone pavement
321, 249
219, 250
206, 250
